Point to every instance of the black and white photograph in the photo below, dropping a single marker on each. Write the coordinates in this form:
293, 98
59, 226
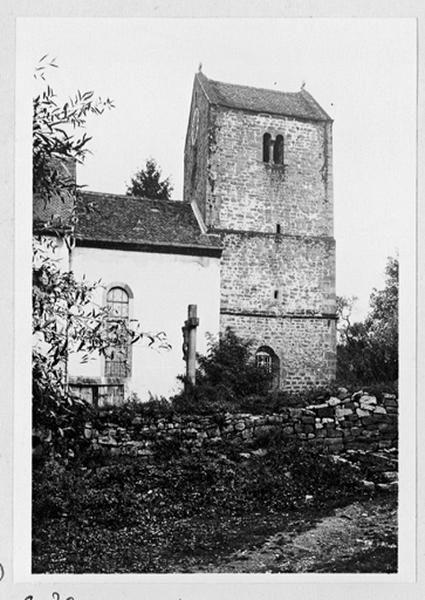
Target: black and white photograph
222, 242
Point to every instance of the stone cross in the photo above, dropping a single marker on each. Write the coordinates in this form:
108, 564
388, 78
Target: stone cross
189, 343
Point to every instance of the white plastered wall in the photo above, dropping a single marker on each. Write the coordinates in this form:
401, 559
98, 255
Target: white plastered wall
163, 285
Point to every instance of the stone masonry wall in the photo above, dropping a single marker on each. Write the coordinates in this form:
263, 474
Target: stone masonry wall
306, 347
257, 267
196, 153
276, 223
358, 422
247, 194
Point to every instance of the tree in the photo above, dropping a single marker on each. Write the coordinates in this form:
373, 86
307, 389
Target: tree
58, 136
65, 318
368, 352
344, 309
147, 183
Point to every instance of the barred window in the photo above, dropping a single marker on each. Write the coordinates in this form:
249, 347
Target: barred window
117, 356
267, 359
264, 360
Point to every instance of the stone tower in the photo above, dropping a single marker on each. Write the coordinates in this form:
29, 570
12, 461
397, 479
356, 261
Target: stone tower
258, 170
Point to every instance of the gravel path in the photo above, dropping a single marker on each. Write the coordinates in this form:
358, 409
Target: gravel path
361, 537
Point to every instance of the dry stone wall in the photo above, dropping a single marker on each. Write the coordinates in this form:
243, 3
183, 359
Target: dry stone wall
356, 422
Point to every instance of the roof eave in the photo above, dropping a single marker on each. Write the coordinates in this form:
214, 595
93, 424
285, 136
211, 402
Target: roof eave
274, 113
149, 246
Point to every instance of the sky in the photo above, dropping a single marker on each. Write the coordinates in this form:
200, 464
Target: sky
361, 71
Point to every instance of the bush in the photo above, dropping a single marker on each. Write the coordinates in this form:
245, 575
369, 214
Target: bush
226, 375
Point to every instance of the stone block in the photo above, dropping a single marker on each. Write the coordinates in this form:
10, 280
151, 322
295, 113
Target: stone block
348, 404
387, 487
334, 433
295, 413
333, 401
308, 419
362, 413
343, 393
325, 411
390, 476
366, 399
385, 444
334, 444
341, 413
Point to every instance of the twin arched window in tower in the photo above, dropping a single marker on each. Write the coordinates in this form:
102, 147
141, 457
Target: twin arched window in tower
273, 149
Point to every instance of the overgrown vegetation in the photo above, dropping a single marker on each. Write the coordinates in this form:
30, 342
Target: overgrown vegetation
78, 510
226, 378
65, 318
367, 352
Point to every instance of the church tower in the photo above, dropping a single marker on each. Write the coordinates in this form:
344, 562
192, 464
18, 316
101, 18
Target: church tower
258, 172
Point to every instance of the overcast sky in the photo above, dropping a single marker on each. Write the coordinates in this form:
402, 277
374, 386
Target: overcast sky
361, 71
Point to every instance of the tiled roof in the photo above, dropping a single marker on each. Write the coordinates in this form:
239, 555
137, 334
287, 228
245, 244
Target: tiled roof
129, 220
293, 104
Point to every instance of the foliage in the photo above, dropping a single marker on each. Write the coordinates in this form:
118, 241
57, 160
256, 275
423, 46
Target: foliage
58, 137
66, 320
225, 376
65, 317
147, 183
177, 493
367, 352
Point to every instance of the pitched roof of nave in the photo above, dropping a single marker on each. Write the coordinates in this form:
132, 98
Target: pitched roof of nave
299, 104
113, 220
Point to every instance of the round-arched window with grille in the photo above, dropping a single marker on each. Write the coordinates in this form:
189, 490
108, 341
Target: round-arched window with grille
267, 359
117, 355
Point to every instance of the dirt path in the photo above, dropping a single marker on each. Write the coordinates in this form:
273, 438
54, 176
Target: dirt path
361, 537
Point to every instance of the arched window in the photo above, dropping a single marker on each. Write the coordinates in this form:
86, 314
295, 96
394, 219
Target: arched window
278, 150
266, 147
117, 356
267, 359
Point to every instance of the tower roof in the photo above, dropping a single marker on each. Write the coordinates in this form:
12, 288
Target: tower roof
242, 97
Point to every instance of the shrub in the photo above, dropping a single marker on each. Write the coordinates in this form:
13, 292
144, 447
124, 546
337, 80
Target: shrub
226, 374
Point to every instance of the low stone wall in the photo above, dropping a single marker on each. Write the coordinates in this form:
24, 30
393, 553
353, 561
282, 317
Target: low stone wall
349, 422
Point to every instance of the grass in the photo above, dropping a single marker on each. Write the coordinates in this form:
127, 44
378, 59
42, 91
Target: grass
197, 513
205, 544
